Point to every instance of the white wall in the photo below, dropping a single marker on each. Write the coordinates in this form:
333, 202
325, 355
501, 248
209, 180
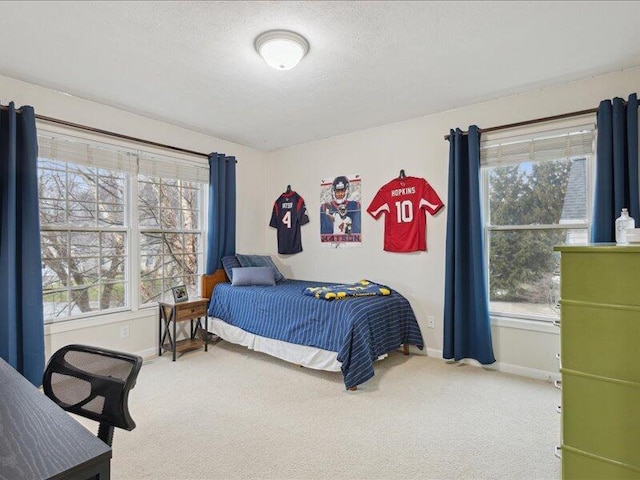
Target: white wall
418, 147
377, 154
104, 330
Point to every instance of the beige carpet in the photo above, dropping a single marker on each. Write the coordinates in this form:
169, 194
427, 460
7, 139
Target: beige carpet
232, 413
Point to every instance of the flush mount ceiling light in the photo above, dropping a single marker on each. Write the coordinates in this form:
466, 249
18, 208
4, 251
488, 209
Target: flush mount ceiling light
281, 49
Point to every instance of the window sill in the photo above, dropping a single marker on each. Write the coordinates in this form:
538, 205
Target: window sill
98, 320
523, 324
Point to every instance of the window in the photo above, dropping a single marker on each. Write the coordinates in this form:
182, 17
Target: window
537, 193
83, 238
170, 236
119, 227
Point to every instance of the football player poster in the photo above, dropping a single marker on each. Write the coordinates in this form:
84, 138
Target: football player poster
340, 210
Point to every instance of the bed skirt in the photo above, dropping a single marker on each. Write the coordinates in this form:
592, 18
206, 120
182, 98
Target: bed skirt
310, 357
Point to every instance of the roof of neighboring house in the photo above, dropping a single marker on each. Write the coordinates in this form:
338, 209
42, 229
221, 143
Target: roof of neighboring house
575, 201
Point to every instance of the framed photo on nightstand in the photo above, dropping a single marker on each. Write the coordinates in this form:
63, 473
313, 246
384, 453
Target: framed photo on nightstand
180, 294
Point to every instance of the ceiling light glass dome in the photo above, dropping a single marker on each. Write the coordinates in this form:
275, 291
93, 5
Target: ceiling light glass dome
281, 49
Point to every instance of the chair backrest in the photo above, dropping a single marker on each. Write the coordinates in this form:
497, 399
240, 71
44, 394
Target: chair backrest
94, 383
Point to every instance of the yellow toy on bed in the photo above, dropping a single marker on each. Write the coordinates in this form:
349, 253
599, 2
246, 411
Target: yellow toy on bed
363, 288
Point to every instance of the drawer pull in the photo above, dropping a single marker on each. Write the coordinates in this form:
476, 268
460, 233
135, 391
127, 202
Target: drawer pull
559, 409
556, 323
558, 384
557, 451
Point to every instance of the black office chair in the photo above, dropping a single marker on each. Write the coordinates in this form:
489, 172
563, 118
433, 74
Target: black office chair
94, 383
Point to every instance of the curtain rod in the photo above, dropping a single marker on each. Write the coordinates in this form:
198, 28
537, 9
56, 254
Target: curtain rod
531, 122
111, 134
119, 135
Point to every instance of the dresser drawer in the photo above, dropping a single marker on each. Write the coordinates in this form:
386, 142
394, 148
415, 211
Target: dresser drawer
577, 465
601, 340
601, 417
187, 312
609, 277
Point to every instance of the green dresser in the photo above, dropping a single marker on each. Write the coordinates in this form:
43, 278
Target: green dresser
600, 361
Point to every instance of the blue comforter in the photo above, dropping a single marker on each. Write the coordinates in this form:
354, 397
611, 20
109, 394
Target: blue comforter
359, 329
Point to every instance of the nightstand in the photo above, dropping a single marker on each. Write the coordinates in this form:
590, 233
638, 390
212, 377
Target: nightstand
170, 313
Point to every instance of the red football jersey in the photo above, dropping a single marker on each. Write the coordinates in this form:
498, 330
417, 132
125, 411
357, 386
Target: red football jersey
403, 200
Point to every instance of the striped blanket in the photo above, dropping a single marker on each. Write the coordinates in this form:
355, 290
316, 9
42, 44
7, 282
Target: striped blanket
359, 330
363, 288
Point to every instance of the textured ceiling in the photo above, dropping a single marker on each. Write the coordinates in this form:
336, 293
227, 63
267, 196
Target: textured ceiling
370, 63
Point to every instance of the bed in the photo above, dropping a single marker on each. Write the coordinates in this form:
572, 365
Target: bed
346, 335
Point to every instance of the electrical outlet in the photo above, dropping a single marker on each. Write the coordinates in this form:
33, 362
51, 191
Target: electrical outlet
431, 321
124, 331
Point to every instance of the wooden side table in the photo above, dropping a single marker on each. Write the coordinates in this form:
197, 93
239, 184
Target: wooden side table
170, 313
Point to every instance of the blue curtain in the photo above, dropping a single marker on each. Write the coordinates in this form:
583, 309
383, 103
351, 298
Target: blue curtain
221, 237
616, 167
467, 332
21, 316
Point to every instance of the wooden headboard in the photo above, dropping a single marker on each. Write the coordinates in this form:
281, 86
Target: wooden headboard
207, 282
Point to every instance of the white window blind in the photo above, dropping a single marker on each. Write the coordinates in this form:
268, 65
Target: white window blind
544, 146
83, 153
168, 167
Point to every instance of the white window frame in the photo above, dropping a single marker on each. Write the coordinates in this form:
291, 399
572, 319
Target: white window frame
140, 230
68, 229
176, 162
525, 321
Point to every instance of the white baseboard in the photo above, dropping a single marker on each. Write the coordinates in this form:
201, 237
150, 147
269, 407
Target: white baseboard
432, 352
149, 353
525, 371
504, 367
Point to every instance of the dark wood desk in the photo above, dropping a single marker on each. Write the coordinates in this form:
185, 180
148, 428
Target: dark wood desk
39, 440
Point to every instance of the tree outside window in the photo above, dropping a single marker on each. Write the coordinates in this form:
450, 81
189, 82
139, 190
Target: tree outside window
534, 199
90, 245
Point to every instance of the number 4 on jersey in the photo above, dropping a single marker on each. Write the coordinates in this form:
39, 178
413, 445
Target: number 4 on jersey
288, 214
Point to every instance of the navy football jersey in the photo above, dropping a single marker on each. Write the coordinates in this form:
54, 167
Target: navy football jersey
289, 213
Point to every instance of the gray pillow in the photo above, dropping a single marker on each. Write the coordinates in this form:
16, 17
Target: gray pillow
253, 276
260, 261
